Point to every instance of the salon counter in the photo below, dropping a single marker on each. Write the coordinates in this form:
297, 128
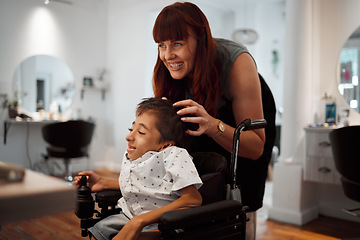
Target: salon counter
10, 122
36, 195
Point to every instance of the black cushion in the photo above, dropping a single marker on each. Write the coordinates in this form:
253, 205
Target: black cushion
351, 189
68, 139
213, 188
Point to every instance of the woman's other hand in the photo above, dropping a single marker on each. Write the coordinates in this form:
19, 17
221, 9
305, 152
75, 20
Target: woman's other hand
192, 112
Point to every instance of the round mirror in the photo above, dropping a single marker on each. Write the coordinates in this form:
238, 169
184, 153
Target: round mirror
43, 82
349, 70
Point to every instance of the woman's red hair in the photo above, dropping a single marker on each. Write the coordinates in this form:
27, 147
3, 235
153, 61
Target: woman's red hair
173, 23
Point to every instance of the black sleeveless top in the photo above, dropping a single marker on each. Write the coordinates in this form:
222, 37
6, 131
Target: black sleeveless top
251, 174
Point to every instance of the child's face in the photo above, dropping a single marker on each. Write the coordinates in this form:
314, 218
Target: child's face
143, 136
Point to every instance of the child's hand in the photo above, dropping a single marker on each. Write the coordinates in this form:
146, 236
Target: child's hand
95, 181
133, 230
130, 231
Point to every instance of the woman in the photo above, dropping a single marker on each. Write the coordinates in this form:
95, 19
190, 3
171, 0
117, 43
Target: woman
218, 83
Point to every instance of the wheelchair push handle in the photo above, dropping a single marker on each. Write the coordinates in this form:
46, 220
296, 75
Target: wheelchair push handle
245, 125
254, 124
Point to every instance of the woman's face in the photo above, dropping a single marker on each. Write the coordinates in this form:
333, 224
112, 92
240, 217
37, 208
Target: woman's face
179, 56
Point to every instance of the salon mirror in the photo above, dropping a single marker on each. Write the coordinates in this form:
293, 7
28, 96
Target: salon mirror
349, 70
43, 82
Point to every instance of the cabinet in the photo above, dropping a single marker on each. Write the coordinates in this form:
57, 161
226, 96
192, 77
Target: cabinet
319, 162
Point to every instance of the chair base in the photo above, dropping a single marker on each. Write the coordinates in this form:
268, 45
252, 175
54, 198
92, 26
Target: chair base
355, 212
69, 178
68, 170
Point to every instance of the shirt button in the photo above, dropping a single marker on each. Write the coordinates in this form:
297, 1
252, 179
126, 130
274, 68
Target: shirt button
132, 200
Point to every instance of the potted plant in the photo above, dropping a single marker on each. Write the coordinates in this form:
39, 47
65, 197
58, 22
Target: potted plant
12, 106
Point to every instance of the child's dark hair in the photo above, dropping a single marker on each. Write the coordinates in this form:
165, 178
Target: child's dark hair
169, 125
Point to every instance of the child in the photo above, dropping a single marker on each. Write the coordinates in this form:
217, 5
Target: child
157, 174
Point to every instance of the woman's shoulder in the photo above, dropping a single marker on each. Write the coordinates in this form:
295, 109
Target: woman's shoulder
225, 46
228, 42
227, 52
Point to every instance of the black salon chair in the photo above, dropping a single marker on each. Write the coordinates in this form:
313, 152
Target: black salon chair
68, 140
345, 143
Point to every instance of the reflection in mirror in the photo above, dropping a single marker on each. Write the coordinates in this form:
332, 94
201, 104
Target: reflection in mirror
44, 82
349, 70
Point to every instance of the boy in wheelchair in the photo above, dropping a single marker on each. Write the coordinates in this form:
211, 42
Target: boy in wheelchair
157, 174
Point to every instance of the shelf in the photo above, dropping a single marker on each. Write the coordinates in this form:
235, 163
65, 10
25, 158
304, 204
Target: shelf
93, 88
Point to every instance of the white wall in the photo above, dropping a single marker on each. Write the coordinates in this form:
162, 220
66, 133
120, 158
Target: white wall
317, 30
334, 23
132, 52
118, 35
76, 34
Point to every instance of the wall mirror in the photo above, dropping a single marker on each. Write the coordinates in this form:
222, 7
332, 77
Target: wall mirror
349, 70
43, 82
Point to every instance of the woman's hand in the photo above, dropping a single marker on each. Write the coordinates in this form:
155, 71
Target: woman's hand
95, 182
198, 114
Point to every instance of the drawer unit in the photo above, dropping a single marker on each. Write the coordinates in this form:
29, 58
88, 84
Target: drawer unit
319, 163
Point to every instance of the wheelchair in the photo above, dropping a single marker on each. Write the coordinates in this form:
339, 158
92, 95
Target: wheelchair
221, 216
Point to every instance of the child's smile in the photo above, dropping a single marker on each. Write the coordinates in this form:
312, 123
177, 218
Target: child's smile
144, 136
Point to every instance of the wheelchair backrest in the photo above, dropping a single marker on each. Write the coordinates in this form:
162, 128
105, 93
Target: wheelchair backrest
213, 170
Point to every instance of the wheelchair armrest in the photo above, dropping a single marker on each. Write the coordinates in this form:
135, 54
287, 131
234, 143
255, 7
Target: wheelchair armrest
220, 220
107, 197
201, 215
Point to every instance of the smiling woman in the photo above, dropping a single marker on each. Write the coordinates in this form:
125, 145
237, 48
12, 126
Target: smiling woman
43, 80
217, 84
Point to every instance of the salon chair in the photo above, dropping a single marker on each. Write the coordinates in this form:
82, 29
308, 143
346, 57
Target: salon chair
345, 143
68, 140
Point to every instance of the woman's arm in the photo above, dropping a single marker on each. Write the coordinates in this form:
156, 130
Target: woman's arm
245, 90
190, 197
96, 182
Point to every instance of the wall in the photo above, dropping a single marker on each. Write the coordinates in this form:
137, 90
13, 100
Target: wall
332, 34
76, 34
316, 31
131, 59
120, 38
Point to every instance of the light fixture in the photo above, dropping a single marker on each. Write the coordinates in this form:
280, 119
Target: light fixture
58, 1
245, 35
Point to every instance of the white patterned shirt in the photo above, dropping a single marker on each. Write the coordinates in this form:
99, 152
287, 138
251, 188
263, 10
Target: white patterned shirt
155, 180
